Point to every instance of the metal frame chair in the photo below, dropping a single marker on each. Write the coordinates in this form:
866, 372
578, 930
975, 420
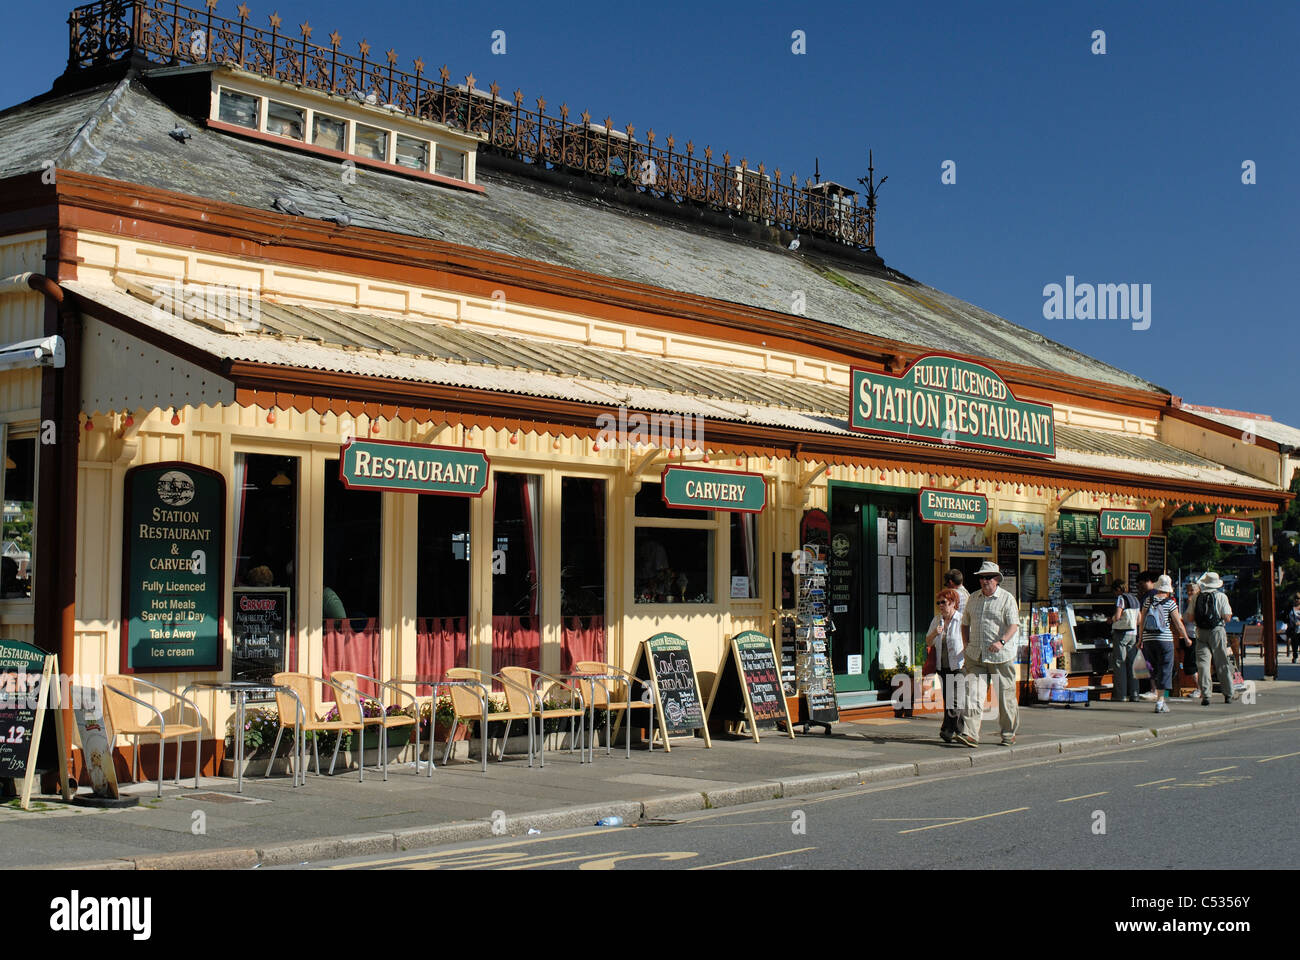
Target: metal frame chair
125, 720
304, 684
520, 680
619, 699
460, 679
384, 721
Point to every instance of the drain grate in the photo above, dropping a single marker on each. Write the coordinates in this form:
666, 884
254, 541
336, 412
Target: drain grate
220, 798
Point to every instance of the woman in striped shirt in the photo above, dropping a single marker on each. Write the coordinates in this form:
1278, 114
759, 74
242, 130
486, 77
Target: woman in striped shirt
1158, 624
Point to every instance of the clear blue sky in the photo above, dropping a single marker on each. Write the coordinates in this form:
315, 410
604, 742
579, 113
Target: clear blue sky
1116, 168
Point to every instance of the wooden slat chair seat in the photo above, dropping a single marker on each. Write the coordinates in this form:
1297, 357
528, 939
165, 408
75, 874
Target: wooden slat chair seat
305, 686
527, 690
384, 721
613, 697
124, 698
468, 705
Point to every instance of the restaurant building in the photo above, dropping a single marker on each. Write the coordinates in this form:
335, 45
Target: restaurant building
440, 378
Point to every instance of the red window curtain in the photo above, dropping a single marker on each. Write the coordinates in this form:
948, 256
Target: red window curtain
345, 648
582, 638
516, 642
440, 644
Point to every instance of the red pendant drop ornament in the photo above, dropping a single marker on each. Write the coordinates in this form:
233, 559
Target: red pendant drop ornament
176, 419
89, 426
270, 416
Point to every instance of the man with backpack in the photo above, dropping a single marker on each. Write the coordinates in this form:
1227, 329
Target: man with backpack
1123, 644
1159, 623
1212, 613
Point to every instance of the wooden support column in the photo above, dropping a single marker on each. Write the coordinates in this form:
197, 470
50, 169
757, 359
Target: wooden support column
1267, 597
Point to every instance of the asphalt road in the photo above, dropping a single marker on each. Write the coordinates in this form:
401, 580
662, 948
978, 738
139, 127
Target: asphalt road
1225, 799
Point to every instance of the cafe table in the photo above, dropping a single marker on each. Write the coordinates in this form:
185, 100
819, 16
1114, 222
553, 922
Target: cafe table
240, 689
435, 683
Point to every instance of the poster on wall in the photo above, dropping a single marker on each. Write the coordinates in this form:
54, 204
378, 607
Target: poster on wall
1032, 527
968, 541
1054, 568
173, 564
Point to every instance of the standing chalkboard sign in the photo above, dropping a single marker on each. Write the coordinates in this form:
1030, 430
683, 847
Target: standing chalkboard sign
678, 705
260, 630
29, 703
748, 685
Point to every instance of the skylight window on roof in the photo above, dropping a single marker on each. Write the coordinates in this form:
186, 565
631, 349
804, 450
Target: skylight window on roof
412, 152
284, 120
329, 132
371, 143
449, 163
239, 109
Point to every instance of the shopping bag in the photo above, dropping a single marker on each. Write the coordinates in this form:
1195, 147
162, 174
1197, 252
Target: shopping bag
1140, 669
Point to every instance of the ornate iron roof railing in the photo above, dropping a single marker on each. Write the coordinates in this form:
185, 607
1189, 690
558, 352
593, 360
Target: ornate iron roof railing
163, 32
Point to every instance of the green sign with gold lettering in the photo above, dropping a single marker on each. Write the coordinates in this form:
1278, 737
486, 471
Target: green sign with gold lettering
173, 568
691, 489
1232, 530
954, 401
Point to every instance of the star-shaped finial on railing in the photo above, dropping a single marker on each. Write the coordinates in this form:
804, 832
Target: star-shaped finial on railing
690, 147
364, 47
391, 55
335, 40
469, 81
519, 97
564, 111
630, 130
708, 153
444, 73
242, 10
776, 174
760, 169
650, 137
275, 20
586, 117
494, 88
672, 142
212, 5
306, 30
419, 65
609, 123
541, 105
726, 159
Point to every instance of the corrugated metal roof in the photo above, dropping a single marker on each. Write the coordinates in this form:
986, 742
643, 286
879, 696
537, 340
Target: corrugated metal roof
346, 342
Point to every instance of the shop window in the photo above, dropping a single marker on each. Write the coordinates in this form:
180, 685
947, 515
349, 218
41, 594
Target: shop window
673, 558
239, 109
412, 153
744, 556
516, 571
371, 143
351, 571
450, 163
442, 585
19, 519
329, 132
582, 571
266, 556
284, 120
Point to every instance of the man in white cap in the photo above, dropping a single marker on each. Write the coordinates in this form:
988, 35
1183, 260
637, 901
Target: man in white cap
1212, 613
989, 627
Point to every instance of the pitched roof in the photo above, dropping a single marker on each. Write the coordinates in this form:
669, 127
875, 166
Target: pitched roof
122, 133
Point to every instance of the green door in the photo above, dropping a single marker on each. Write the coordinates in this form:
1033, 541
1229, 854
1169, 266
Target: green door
881, 573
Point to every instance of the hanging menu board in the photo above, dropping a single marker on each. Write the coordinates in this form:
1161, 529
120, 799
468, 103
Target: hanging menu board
678, 703
174, 525
1054, 568
260, 630
1156, 559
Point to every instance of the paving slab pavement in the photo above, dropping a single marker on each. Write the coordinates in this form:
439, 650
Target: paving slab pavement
276, 823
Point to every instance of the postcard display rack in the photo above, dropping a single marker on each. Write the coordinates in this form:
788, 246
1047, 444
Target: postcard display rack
1045, 651
813, 671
